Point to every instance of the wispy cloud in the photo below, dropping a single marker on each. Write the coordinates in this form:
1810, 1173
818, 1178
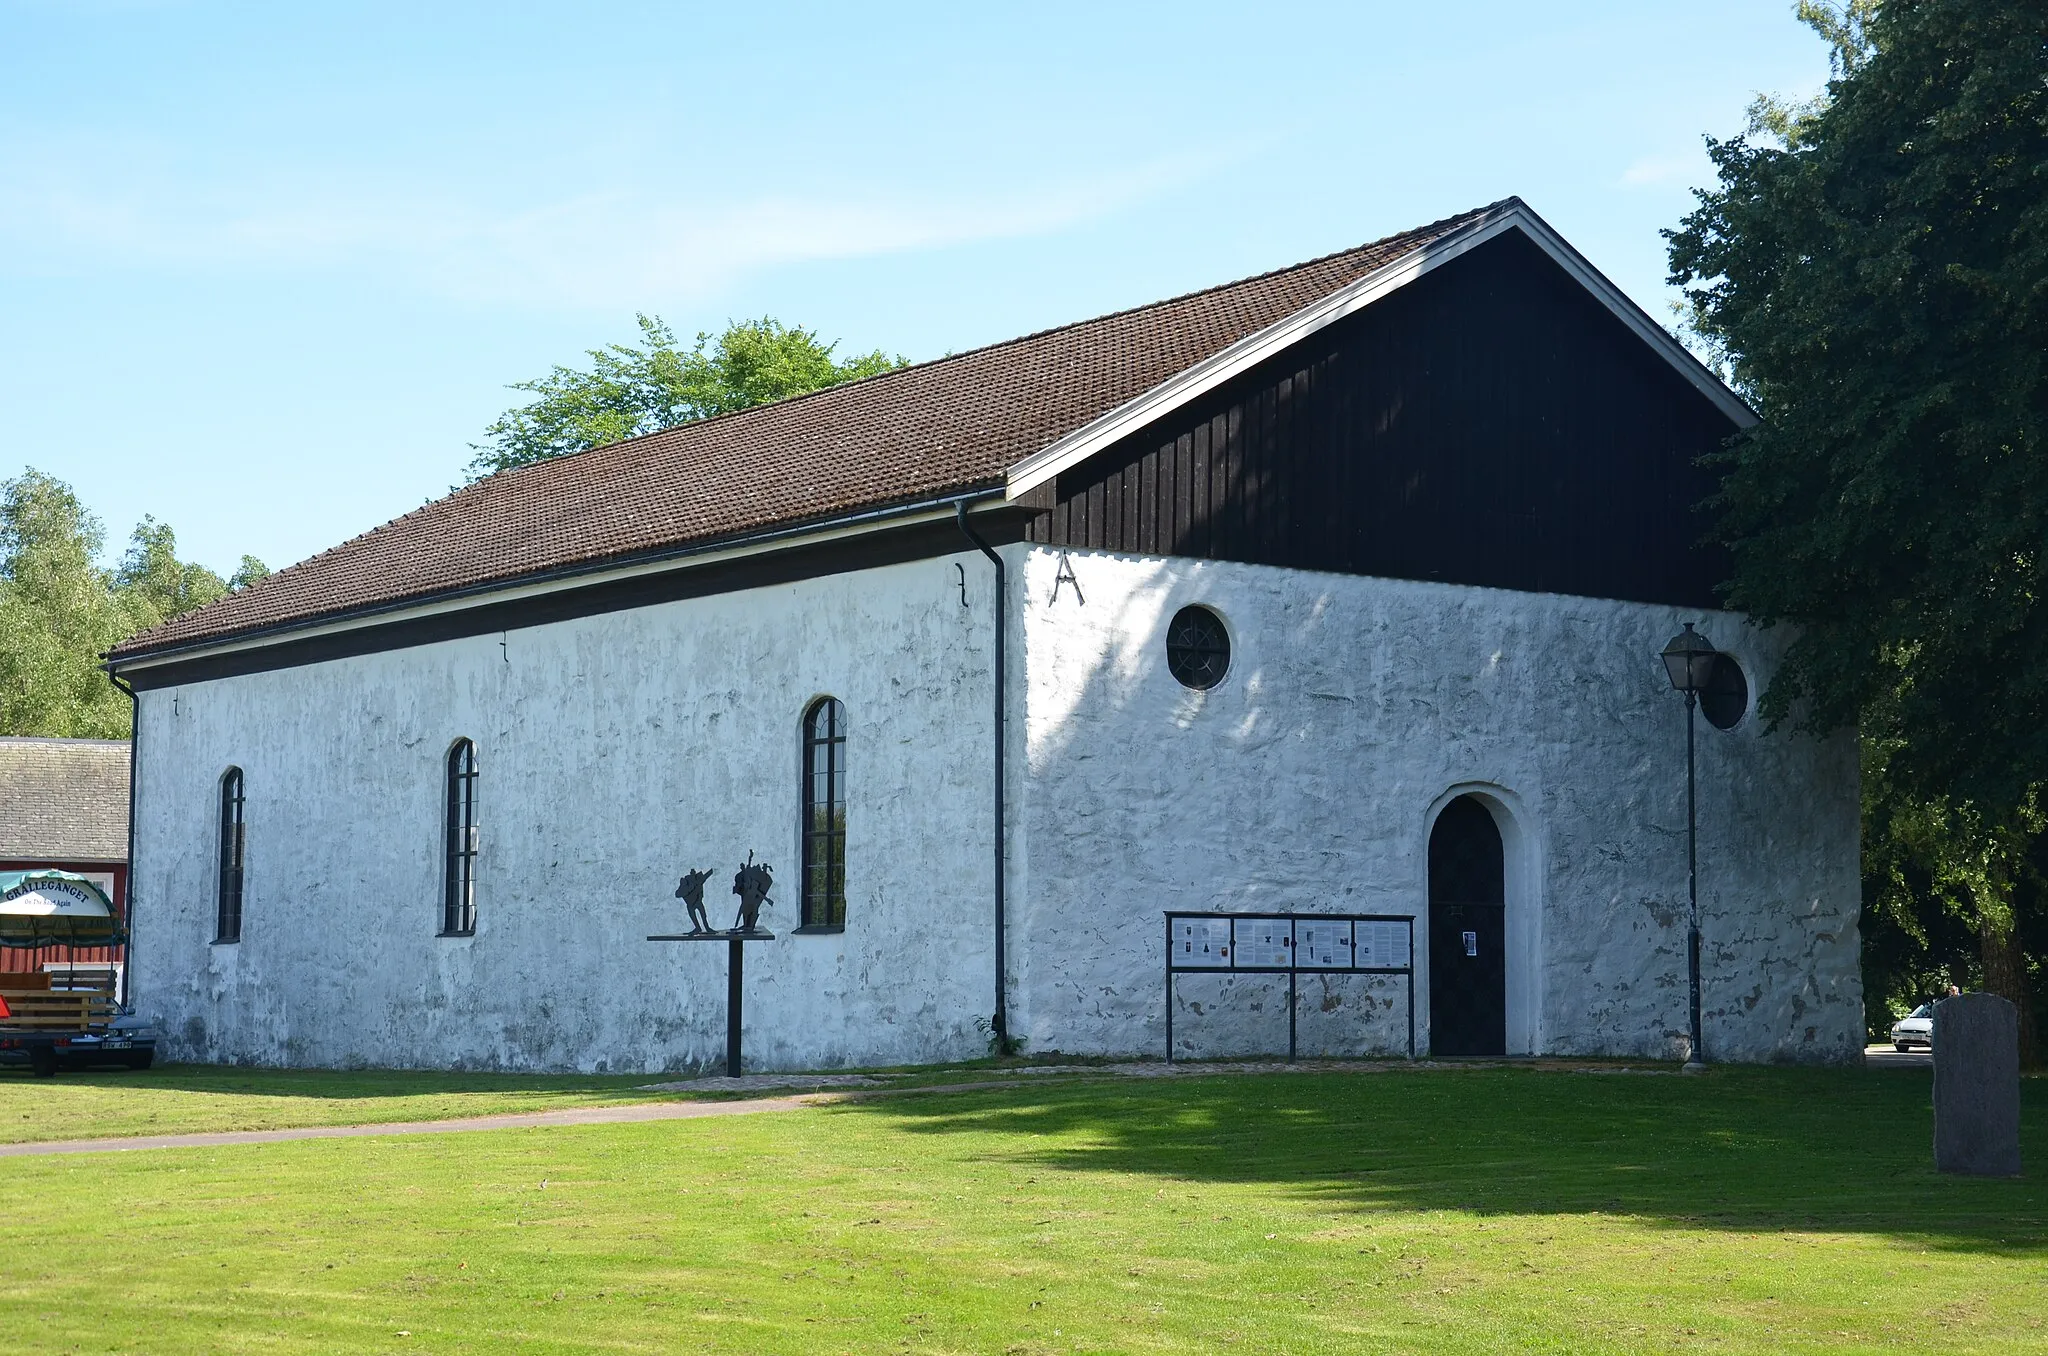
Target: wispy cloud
603, 248
1690, 165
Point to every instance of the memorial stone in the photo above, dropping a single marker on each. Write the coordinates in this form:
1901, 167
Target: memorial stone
1977, 1086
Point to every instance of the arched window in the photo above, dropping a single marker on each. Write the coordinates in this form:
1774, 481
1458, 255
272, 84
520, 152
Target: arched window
458, 891
227, 898
824, 822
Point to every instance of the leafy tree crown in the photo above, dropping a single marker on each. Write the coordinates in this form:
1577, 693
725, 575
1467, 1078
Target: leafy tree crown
628, 391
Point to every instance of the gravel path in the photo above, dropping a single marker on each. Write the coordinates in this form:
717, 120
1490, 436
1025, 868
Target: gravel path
514, 1120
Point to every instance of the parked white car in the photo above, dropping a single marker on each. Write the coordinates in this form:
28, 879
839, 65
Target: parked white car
1916, 1028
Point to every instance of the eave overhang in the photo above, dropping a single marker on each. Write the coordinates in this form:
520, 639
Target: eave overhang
980, 500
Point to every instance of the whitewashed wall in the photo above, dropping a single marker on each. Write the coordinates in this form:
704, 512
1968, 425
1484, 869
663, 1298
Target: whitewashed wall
615, 750
1353, 710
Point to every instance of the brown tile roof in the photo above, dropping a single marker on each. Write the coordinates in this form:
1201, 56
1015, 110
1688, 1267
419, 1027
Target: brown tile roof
954, 424
63, 800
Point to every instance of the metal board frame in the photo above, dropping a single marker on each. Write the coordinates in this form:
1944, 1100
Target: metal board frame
1293, 968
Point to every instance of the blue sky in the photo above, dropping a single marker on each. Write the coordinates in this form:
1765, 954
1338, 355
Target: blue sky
265, 270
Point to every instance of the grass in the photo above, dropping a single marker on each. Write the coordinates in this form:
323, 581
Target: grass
1749, 1210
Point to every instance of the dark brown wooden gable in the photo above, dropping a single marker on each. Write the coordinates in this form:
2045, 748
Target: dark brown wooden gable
1490, 424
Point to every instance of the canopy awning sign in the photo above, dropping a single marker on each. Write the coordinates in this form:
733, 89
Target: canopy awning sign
38, 908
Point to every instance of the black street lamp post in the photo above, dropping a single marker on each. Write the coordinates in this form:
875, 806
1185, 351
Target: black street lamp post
1689, 659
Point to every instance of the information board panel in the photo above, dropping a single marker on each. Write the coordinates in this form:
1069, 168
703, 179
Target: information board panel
1383, 946
1201, 943
1322, 946
1265, 942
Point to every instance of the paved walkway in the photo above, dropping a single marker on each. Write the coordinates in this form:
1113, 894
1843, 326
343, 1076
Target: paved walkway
1884, 1057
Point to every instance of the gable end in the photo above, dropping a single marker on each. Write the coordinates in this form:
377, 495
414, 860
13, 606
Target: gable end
1491, 423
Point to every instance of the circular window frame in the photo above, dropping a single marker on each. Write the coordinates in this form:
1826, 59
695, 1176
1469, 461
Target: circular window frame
1726, 699
1198, 663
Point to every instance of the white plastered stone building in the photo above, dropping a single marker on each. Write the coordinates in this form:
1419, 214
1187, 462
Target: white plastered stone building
1337, 590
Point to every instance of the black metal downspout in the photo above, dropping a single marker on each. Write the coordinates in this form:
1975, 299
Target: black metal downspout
128, 890
1000, 1023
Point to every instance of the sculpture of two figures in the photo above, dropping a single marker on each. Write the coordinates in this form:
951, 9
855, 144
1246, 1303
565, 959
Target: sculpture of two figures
751, 884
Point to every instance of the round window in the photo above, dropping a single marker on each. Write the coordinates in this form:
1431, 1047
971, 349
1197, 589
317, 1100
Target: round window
1725, 698
1197, 648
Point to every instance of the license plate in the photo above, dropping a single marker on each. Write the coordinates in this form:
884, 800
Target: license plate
115, 1044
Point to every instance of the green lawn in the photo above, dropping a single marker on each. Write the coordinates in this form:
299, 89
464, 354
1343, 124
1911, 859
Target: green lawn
1749, 1210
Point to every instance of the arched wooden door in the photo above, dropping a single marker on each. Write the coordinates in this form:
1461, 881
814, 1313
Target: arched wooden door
1468, 978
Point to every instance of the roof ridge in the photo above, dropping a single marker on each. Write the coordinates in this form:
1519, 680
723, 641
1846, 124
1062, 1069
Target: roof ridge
1203, 291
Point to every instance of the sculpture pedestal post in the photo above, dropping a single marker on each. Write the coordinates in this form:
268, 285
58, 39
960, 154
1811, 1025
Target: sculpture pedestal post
735, 964
735, 970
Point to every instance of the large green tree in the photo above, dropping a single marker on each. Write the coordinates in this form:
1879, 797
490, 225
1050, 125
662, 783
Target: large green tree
60, 611
629, 391
1873, 269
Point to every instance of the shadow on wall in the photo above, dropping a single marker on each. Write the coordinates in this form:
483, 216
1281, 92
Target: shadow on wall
1743, 1149
1147, 793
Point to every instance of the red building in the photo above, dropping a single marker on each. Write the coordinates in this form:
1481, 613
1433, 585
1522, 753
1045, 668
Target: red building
64, 804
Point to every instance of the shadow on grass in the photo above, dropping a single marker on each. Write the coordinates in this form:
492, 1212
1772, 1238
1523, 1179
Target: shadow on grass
1844, 1151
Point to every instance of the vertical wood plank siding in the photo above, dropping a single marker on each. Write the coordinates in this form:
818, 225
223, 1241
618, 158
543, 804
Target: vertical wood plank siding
1490, 424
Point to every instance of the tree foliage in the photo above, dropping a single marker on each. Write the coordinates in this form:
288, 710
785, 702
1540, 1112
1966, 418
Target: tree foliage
156, 582
60, 611
57, 612
1879, 285
1873, 268
632, 391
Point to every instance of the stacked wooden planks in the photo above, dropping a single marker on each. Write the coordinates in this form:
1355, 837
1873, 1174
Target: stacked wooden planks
58, 1002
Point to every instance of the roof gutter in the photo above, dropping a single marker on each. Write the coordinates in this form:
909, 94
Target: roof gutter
128, 867
999, 1023
565, 576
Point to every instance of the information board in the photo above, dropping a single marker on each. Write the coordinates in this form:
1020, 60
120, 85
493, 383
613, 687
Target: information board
1201, 943
1290, 945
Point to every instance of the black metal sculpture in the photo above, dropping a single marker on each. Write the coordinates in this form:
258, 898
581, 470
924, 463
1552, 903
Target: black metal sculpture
751, 885
691, 892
